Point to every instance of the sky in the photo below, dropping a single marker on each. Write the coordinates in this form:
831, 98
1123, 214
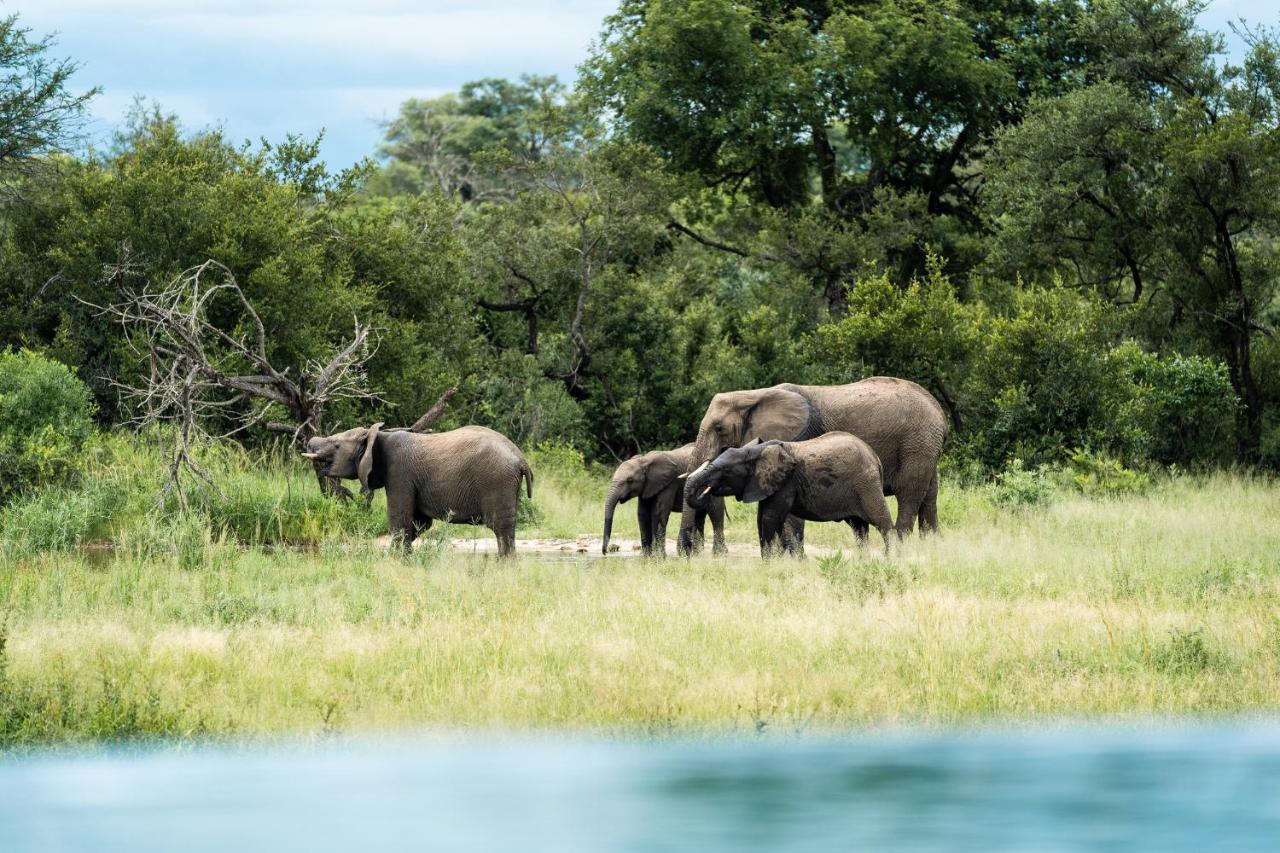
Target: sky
269, 67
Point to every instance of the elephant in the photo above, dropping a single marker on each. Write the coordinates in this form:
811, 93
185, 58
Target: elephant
655, 478
835, 477
901, 422
469, 475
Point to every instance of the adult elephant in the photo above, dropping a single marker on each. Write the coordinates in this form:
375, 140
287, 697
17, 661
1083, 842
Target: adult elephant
470, 475
655, 480
901, 422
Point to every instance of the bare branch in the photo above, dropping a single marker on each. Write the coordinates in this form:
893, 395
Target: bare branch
211, 383
433, 414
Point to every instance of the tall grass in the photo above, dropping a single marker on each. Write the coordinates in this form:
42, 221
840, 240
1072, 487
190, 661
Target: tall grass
1163, 601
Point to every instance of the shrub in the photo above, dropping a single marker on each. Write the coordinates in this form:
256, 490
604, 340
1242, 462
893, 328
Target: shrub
527, 407
1183, 409
1018, 486
1095, 475
1042, 384
45, 419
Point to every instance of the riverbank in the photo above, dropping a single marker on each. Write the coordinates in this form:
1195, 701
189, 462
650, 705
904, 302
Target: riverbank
1162, 602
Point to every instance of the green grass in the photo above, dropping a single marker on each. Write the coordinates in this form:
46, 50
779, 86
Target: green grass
204, 624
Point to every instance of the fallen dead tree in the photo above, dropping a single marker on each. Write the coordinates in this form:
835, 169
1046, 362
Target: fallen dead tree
209, 380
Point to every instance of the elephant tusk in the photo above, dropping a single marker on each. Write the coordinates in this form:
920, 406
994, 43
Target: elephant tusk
704, 492
310, 455
695, 471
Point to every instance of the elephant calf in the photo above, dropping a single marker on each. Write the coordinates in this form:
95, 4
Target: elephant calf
655, 478
835, 477
465, 476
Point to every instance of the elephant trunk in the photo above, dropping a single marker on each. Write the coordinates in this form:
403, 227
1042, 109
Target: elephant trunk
610, 504
697, 489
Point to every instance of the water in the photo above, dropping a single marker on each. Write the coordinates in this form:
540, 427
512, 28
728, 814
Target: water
1197, 788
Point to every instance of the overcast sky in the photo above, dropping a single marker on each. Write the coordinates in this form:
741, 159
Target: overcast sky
268, 67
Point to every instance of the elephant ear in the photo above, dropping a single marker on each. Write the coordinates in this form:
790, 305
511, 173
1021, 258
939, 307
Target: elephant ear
366, 462
777, 413
661, 472
773, 466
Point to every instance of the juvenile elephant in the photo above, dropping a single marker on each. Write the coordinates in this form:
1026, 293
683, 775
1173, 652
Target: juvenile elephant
836, 477
469, 475
901, 422
655, 478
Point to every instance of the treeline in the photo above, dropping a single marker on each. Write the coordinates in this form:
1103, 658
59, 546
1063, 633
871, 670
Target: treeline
1059, 216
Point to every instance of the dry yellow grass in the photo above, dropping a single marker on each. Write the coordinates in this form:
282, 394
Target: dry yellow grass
1157, 604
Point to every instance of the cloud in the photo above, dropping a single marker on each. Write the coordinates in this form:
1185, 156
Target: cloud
268, 67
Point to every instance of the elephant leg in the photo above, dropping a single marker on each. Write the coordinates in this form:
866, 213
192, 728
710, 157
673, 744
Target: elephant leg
793, 535
644, 515
401, 520
861, 529
506, 534
912, 486
771, 522
661, 513
501, 519
689, 541
929, 509
875, 513
716, 511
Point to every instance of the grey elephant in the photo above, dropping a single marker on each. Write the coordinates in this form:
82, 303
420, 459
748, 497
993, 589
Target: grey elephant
900, 421
656, 480
470, 475
835, 477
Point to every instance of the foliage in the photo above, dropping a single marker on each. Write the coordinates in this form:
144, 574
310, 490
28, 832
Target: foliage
433, 143
839, 105
45, 420
1161, 176
921, 332
1076, 611
1101, 476
1182, 406
37, 113
1057, 216
1019, 486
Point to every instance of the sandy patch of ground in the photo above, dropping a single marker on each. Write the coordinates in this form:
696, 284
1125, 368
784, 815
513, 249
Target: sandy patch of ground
586, 546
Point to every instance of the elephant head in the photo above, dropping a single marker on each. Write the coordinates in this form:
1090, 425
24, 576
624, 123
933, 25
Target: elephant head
737, 417
751, 473
347, 456
639, 477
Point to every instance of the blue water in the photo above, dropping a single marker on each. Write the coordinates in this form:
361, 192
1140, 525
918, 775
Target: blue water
1197, 788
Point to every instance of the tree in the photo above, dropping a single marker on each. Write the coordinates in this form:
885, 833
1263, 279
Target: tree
210, 369
587, 214
434, 142
1162, 178
306, 249
838, 106
38, 114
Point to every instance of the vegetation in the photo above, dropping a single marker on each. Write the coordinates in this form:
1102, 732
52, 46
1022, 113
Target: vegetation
1059, 216
845, 188
45, 420
1159, 599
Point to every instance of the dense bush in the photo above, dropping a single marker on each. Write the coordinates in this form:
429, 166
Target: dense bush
45, 420
1182, 409
1046, 376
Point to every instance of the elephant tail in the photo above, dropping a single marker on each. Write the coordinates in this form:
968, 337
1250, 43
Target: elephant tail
527, 473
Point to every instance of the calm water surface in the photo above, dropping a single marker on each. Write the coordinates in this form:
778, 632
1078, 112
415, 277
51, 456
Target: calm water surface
1197, 788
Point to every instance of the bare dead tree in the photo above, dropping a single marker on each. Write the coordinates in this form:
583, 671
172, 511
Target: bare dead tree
212, 383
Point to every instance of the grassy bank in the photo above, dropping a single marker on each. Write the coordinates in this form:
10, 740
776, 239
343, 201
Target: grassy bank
142, 620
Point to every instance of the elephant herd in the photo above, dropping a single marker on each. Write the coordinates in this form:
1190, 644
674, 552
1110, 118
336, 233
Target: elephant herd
801, 452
